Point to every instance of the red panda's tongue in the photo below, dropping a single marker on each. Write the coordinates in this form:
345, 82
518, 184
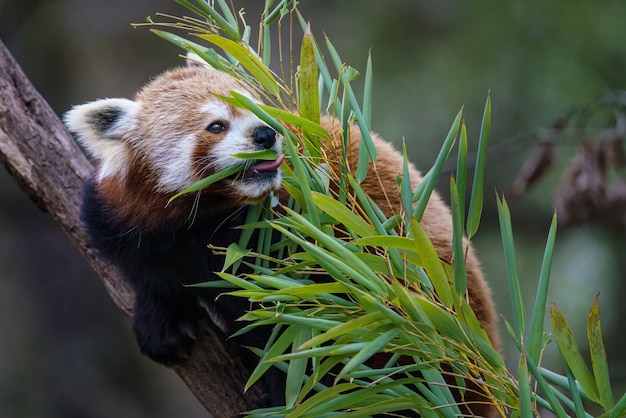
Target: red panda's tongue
266, 166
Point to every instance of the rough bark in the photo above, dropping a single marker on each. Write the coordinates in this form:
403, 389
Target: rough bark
48, 166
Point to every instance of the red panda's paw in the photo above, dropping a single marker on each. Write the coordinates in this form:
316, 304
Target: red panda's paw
164, 338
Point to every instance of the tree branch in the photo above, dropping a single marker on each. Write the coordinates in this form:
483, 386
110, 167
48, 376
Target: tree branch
48, 166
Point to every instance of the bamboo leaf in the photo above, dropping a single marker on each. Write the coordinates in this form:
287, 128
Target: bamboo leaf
460, 275
620, 408
207, 181
504, 216
228, 28
425, 189
228, 15
535, 331
476, 200
431, 263
234, 253
267, 154
571, 354
310, 127
321, 398
406, 192
526, 408
371, 348
367, 92
296, 371
343, 215
247, 59
309, 104
278, 347
574, 390
461, 169
598, 357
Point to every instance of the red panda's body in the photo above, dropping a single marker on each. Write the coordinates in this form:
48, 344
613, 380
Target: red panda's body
174, 133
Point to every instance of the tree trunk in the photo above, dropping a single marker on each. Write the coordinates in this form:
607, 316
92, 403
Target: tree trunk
48, 166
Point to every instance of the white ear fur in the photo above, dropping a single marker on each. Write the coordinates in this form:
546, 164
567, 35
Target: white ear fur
99, 127
194, 60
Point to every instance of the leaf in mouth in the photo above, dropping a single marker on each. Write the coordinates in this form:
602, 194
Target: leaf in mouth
266, 154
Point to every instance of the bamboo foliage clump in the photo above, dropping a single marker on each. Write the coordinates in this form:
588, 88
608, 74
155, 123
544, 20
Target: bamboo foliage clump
386, 290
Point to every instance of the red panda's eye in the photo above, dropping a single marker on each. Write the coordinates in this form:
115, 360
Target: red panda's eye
216, 127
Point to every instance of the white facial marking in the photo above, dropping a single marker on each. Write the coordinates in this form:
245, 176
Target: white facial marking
174, 165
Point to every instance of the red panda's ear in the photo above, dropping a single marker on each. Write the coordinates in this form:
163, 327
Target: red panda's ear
100, 127
194, 60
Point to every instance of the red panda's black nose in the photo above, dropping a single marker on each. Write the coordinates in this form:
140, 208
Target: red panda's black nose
264, 137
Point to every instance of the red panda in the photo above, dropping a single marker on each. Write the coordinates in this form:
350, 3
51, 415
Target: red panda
175, 132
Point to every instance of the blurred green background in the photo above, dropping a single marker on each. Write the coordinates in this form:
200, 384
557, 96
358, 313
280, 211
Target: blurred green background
66, 351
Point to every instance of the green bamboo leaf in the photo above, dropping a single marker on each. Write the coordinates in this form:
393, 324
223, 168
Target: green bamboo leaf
367, 92
322, 398
526, 407
387, 241
504, 216
461, 169
228, 15
194, 9
476, 200
598, 357
311, 128
207, 181
405, 186
339, 262
296, 371
267, 46
238, 281
314, 290
574, 390
275, 282
409, 304
371, 348
234, 253
247, 59
351, 327
278, 347
179, 41
546, 389
425, 189
308, 105
369, 394
535, 331
620, 408
367, 150
267, 154
431, 263
351, 263
305, 182
458, 253
229, 28
571, 354
385, 407
442, 320
280, 10
343, 215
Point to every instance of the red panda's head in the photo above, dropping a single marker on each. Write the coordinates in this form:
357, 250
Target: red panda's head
175, 132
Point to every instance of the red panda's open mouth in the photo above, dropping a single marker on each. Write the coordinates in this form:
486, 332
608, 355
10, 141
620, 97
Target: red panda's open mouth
264, 168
